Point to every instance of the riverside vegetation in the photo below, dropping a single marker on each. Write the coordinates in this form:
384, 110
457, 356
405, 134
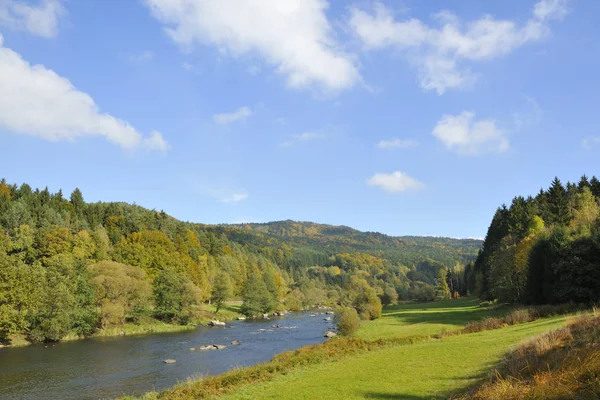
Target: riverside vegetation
72, 269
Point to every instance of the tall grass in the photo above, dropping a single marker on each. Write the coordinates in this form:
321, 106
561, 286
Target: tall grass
522, 315
561, 364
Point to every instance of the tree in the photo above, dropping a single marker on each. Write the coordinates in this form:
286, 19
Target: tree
365, 300
77, 201
257, 298
176, 298
558, 203
442, 291
120, 290
595, 187
347, 321
221, 290
389, 296
585, 211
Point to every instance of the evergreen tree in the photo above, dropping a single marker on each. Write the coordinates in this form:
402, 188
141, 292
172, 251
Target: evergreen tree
595, 186
584, 183
558, 203
77, 201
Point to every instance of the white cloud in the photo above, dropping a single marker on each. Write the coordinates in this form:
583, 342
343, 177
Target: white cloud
442, 54
590, 142
228, 118
38, 102
234, 198
156, 142
294, 36
302, 137
465, 136
41, 19
550, 9
395, 182
142, 56
397, 144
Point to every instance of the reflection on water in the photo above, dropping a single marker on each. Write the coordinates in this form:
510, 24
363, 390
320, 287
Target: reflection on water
103, 368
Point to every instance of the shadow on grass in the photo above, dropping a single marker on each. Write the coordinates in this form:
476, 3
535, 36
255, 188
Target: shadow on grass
450, 312
476, 381
399, 396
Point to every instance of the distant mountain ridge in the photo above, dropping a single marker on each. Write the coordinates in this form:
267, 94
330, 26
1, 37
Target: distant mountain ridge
331, 239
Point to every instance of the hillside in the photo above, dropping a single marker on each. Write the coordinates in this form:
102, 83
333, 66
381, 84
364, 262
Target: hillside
310, 237
72, 268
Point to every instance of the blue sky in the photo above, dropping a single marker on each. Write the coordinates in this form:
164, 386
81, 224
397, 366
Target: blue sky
408, 118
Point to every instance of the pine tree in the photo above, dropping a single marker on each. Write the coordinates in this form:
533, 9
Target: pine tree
558, 203
77, 201
583, 183
595, 186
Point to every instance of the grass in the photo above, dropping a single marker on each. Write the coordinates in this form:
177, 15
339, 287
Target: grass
561, 364
226, 313
396, 357
428, 370
426, 319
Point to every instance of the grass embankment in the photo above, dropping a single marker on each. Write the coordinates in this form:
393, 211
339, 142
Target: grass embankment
384, 368
561, 364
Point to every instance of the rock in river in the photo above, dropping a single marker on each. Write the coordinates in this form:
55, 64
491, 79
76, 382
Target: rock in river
169, 361
330, 334
216, 323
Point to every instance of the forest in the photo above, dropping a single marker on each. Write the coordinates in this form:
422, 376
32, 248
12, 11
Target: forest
543, 249
73, 268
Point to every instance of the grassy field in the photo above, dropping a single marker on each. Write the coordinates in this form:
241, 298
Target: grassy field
426, 319
423, 371
427, 369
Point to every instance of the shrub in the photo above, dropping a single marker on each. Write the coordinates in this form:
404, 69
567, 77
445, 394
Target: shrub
347, 321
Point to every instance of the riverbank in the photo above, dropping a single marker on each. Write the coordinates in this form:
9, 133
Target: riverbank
134, 364
429, 364
227, 313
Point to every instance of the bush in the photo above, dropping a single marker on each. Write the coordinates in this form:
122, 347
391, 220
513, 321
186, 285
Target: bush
347, 321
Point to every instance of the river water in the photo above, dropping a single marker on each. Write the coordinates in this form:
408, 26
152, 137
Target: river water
105, 368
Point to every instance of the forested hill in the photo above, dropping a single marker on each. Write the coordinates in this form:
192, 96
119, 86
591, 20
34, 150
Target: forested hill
543, 248
68, 267
312, 241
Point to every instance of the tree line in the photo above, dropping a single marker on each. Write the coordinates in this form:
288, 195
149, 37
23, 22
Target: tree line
543, 249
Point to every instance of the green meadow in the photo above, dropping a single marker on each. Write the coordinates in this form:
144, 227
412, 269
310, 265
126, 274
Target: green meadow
429, 368
408, 320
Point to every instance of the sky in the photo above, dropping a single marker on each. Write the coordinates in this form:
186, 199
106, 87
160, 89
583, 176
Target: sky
402, 117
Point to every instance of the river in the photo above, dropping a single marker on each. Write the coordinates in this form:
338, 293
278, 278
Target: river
105, 368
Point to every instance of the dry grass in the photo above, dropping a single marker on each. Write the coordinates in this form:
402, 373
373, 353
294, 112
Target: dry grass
562, 364
521, 315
